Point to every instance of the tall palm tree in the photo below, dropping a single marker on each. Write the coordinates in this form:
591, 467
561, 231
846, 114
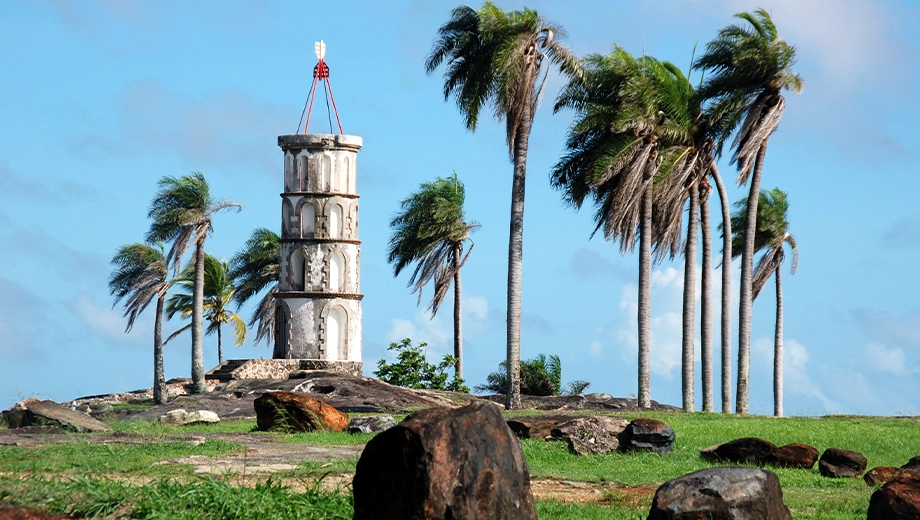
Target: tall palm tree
141, 273
252, 269
770, 238
622, 151
751, 69
496, 58
181, 212
430, 231
218, 294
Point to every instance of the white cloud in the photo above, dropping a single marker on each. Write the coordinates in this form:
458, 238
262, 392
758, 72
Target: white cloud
886, 359
797, 381
476, 308
435, 332
109, 322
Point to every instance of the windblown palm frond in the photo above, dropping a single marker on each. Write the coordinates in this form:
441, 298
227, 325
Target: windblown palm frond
140, 275
428, 231
252, 269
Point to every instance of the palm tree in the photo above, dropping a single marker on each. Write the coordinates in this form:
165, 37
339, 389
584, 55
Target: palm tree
252, 269
770, 238
181, 212
141, 274
496, 58
430, 231
751, 68
218, 294
627, 150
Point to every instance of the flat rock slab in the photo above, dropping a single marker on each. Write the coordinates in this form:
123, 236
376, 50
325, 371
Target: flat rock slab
598, 402
49, 413
11, 512
726, 493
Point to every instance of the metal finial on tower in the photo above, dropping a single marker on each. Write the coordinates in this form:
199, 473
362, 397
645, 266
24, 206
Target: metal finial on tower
320, 73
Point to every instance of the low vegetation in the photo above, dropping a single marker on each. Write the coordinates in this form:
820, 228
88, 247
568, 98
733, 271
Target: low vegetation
124, 479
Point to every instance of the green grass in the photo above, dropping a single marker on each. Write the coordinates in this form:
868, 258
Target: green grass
884, 441
200, 499
80, 458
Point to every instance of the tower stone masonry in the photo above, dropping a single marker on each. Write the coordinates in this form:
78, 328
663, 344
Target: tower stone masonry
318, 316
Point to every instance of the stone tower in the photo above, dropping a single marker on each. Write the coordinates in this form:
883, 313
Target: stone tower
319, 298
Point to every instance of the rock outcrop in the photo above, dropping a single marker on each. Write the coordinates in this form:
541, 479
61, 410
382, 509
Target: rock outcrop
33, 412
297, 412
647, 434
536, 427
725, 493
837, 463
462, 463
590, 435
371, 424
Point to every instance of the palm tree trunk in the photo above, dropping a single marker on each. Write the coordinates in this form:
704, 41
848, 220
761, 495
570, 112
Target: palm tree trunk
220, 346
458, 325
706, 305
747, 268
645, 295
778, 349
726, 331
159, 378
515, 254
198, 384
689, 310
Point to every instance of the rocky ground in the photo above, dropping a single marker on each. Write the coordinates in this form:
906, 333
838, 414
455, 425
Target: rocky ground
265, 456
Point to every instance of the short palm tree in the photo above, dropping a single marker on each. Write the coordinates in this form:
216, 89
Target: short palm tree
751, 67
141, 274
496, 58
218, 295
430, 231
626, 151
770, 239
252, 269
181, 212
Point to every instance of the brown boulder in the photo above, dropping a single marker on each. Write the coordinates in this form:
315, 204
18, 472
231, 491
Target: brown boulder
837, 463
724, 493
647, 434
33, 412
297, 412
881, 475
590, 435
442, 463
914, 462
896, 500
795, 455
739, 451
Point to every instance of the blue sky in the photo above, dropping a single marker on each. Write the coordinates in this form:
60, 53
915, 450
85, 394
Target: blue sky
99, 100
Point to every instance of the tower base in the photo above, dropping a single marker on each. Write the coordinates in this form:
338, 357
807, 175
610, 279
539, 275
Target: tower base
265, 368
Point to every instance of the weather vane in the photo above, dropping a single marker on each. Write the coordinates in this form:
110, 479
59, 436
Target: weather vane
320, 74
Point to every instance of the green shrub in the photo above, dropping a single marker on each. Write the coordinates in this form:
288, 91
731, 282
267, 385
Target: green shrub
412, 369
540, 376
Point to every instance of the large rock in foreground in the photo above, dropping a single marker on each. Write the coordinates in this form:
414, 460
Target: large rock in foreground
896, 500
727, 493
297, 412
440, 463
33, 412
